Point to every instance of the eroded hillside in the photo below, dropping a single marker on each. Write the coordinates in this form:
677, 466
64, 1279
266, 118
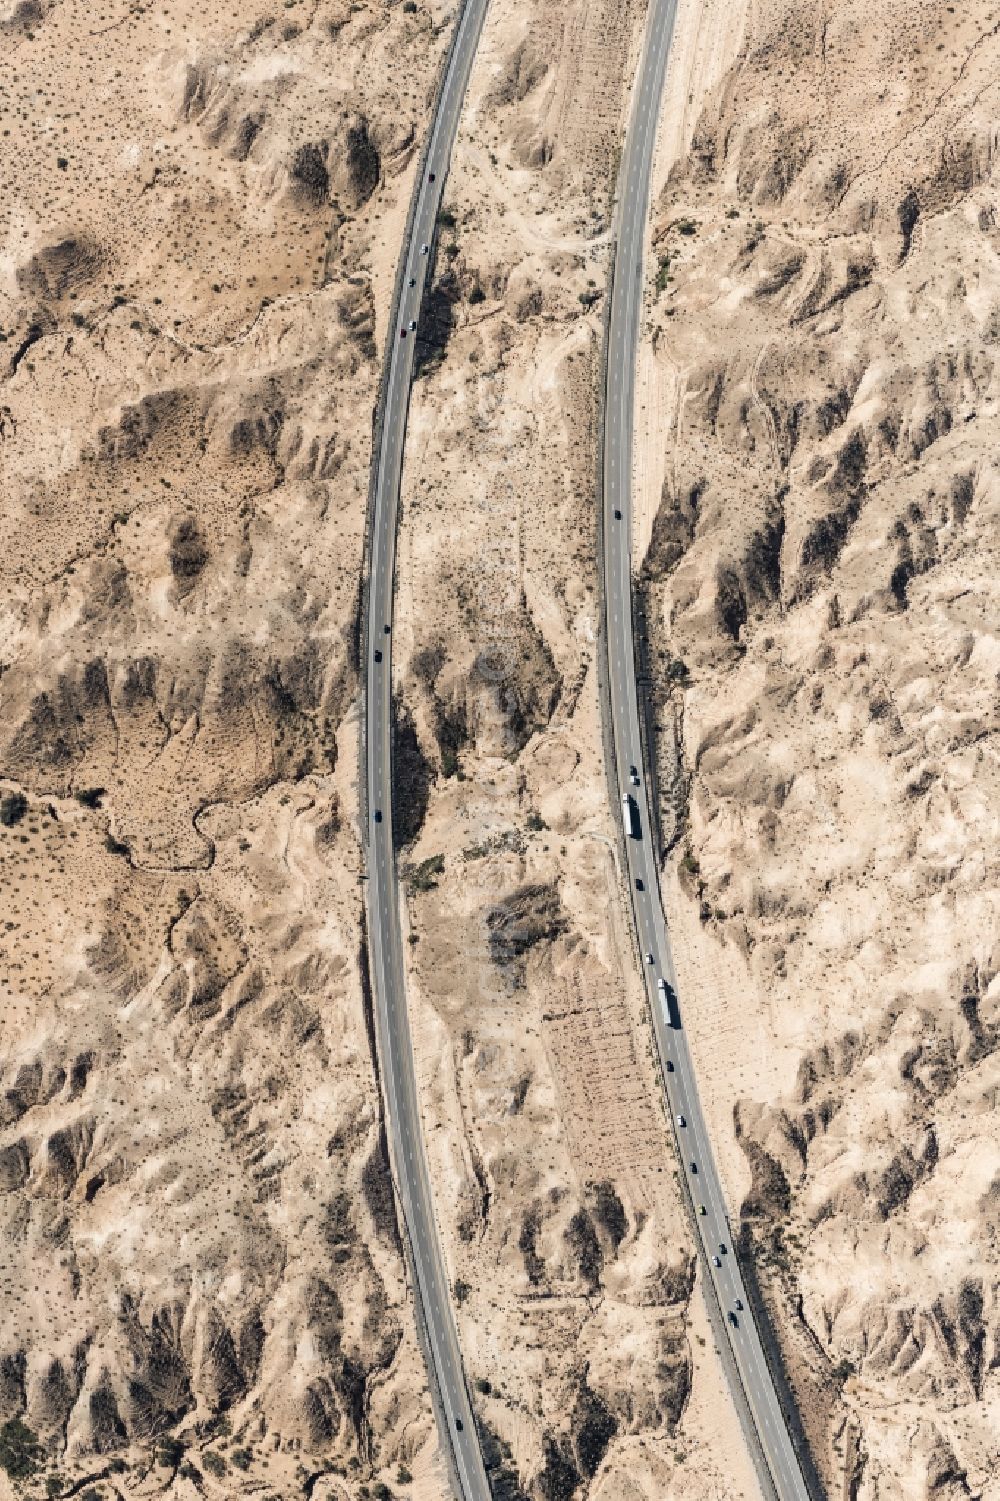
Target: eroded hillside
820, 557
201, 1278
565, 1240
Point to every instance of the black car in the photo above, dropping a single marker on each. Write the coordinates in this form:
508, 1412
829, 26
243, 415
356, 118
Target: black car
694, 1167
733, 1319
618, 514
378, 655
459, 1424
378, 815
639, 884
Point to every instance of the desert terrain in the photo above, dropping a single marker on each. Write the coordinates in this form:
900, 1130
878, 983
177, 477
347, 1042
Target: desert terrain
202, 1289
816, 462
574, 1278
202, 1286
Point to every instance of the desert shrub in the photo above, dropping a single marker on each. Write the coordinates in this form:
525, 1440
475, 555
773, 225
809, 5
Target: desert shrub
13, 807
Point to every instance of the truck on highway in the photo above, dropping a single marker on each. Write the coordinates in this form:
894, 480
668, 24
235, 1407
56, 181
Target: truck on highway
630, 816
668, 998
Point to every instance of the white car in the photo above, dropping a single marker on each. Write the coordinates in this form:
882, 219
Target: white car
716, 1261
425, 250
661, 985
681, 1121
650, 959
633, 776
412, 324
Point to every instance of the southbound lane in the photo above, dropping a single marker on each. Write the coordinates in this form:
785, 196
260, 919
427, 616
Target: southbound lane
755, 1395
459, 1435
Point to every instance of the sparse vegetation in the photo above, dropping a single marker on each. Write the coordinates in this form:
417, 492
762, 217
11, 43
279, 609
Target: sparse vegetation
13, 807
90, 797
423, 877
462, 1291
20, 1451
214, 1463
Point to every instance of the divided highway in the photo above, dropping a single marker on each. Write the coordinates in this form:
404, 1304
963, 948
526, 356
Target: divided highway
751, 1382
434, 1311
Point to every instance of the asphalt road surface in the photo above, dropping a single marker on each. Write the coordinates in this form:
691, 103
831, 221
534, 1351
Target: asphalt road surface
385, 939
779, 1473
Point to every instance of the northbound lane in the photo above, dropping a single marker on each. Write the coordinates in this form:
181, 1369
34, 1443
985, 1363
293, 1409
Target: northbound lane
754, 1394
459, 1436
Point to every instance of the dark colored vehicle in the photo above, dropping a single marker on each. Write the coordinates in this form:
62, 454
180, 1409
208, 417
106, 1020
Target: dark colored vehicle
694, 1167
378, 655
733, 1319
669, 995
459, 1424
431, 176
618, 514
402, 333
412, 281
670, 1065
738, 1303
378, 815
386, 629
639, 886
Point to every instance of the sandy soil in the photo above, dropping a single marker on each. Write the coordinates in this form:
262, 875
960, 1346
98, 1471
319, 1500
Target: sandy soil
553, 1168
201, 1285
819, 538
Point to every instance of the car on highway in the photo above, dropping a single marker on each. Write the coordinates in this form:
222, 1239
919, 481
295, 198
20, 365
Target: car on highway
681, 1121
459, 1424
733, 1319
722, 1249
618, 514
378, 655
386, 629
378, 815
425, 250
702, 1209
402, 333
716, 1261
650, 959
633, 776
694, 1167
670, 1065
661, 985
412, 281
412, 324
639, 885
738, 1303
431, 176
